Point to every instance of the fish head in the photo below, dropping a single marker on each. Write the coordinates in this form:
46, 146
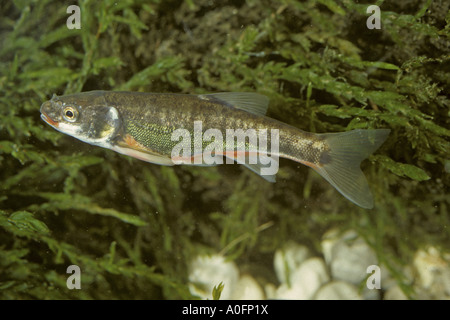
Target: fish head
84, 116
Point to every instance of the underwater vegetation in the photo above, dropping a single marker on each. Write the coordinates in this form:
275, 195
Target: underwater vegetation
132, 227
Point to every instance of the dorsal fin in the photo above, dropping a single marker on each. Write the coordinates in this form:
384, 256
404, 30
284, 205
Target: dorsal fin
248, 101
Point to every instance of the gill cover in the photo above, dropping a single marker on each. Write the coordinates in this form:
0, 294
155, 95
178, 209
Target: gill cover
99, 125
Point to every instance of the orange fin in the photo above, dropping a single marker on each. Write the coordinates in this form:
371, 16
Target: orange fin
130, 147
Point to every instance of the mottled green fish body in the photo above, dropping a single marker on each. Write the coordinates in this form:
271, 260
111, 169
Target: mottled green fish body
143, 125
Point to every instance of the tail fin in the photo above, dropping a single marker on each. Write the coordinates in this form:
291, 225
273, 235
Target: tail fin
342, 170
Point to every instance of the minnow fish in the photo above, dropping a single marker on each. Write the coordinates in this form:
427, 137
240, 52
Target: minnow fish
142, 125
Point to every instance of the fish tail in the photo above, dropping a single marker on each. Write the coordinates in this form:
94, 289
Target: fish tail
340, 164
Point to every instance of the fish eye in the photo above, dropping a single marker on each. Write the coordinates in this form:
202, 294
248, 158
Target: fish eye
70, 114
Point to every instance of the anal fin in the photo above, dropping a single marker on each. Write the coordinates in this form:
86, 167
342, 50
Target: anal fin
262, 169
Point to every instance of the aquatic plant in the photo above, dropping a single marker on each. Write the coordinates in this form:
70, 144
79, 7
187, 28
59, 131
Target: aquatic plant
132, 227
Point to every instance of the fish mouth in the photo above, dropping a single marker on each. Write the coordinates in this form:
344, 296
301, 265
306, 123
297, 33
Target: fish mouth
49, 120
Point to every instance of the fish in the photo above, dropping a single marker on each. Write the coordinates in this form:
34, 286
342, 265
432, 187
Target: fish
150, 126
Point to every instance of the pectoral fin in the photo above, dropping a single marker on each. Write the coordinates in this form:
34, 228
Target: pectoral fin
130, 147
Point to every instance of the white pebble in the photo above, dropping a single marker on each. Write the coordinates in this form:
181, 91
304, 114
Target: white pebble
289, 293
288, 259
348, 257
304, 281
395, 293
270, 290
247, 289
338, 290
329, 239
206, 272
433, 269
